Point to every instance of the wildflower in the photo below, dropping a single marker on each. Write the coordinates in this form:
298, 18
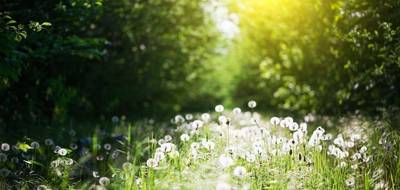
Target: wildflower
168, 138
236, 111
250, 157
115, 119
161, 141
275, 121
222, 119
138, 181
239, 171
95, 174
73, 146
284, 123
205, 117
99, 157
69, 162
152, 163
184, 137
252, 104
356, 156
3, 157
225, 161
189, 117
49, 142
5, 147
167, 147
219, 108
197, 124
293, 126
382, 184
107, 146
126, 166
339, 140
363, 149
62, 152
104, 181
4, 172
179, 119
159, 156
35, 145
350, 182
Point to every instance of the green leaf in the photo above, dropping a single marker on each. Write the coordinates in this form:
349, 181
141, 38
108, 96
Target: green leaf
23, 146
46, 24
11, 22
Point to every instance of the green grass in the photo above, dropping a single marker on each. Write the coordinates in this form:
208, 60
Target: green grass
270, 159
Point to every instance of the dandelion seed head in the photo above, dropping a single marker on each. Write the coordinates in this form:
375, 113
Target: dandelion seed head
350, 182
275, 121
205, 117
104, 181
219, 108
4, 172
95, 174
5, 147
3, 157
115, 119
185, 137
240, 171
152, 163
49, 142
252, 104
236, 111
107, 146
126, 166
62, 151
188, 117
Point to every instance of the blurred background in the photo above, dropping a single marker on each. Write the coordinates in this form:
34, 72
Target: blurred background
64, 62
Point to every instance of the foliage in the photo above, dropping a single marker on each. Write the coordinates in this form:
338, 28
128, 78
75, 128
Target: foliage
319, 56
82, 59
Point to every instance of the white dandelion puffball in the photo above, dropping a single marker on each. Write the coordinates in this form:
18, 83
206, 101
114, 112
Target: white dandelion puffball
49, 142
205, 117
350, 182
184, 137
225, 161
188, 116
126, 166
107, 146
3, 157
152, 163
104, 181
219, 108
252, 104
5, 147
236, 111
168, 138
275, 121
239, 171
62, 152
95, 174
